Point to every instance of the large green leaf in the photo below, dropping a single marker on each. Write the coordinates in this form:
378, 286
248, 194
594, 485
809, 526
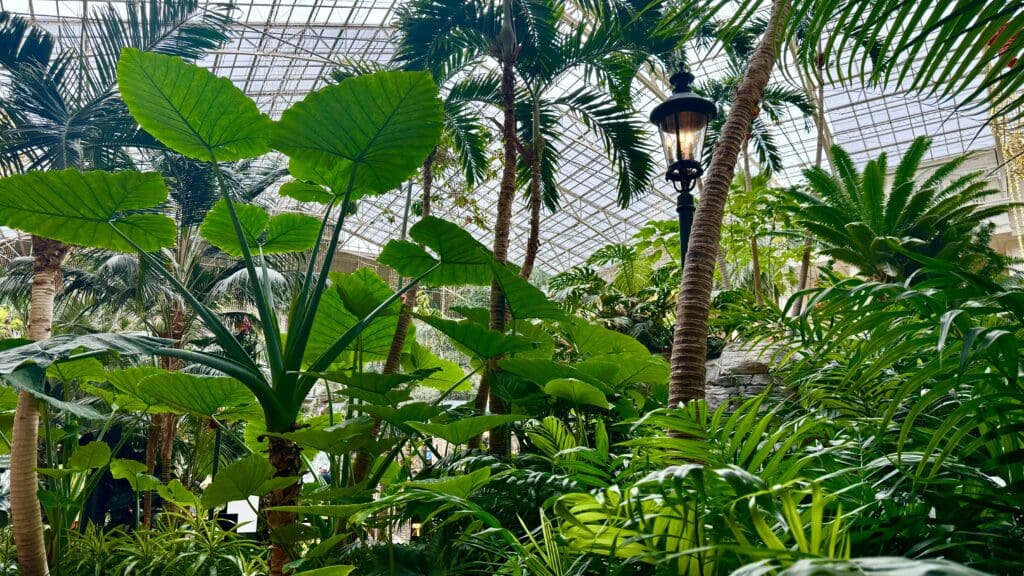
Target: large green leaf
197, 395
278, 235
577, 392
81, 208
465, 429
65, 347
593, 340
92, 455
190, 109
363, 291
443, 373
336, 440
479, 340
401, 416
135, 473
524, 300
458, 486
250, 476
81, 371
333, 319
463, 259
375, 129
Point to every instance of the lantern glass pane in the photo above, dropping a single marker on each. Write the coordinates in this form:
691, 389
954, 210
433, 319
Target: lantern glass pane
682, 136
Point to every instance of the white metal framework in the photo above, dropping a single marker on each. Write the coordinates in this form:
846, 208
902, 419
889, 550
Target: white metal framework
280, 50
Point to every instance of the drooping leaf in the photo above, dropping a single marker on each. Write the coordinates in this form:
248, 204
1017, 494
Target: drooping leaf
401, 416
59, 348
463, 259
174, 491
479, 340
336, 440
524, 300
464, 429
95, 454
577, 392
592, 339
197, 395
32, 379
134, 472
290, 232
375, 129
458, 486
190, 109
444, 373
82, 208
338, 570
305, 192
250, 476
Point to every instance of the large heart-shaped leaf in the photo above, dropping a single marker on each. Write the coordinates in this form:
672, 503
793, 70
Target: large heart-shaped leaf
250, 476
278, 235
135, 473
375, 129
92, 455
198, 395
190, 109
477, 339
336, 440
82, 208
465, 429
363, 291
463, 259
458, 486
577, 392
333, 318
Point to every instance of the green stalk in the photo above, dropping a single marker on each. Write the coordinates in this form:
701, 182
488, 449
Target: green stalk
309, 302
305, 382
224, 336
271, 331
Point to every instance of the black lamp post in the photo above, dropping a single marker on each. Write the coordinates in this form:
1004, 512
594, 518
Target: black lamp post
681, 119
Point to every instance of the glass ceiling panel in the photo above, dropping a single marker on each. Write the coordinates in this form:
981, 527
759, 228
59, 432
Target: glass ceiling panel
281, 50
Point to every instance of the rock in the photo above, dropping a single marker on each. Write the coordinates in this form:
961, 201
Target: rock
740, 372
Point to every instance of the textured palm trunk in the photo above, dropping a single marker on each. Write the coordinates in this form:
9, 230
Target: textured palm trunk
533, 242
689, 351
287, 460
361, 466
26, 515
506, 194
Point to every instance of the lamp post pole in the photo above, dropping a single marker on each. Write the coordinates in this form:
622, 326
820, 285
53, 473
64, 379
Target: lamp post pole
681, 120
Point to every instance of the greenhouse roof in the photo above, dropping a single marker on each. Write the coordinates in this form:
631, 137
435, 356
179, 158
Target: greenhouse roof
282, 49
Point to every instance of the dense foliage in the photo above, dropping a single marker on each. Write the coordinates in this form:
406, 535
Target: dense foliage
207, 358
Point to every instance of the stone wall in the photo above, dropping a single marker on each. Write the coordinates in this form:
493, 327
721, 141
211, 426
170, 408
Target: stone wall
743, 370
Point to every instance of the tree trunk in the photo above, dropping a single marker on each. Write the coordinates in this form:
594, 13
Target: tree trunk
508, 48
26, 515
805, 257
689, 351
536, 198
361, 466
723, 268
287, 460
755, 253
153, 438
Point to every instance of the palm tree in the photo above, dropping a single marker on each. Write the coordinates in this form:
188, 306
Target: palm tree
860, 220
966, 52
65, 113
440, 32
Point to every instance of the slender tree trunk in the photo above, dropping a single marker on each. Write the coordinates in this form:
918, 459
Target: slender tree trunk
805, 257
755, 252
153, 438
287, 460
723, 268
508, 49
536, 199
361, 466
689, 351
26, 515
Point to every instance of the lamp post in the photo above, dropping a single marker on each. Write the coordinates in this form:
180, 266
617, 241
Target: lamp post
681, 120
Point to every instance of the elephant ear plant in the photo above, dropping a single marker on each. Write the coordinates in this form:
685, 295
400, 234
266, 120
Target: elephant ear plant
361, 137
